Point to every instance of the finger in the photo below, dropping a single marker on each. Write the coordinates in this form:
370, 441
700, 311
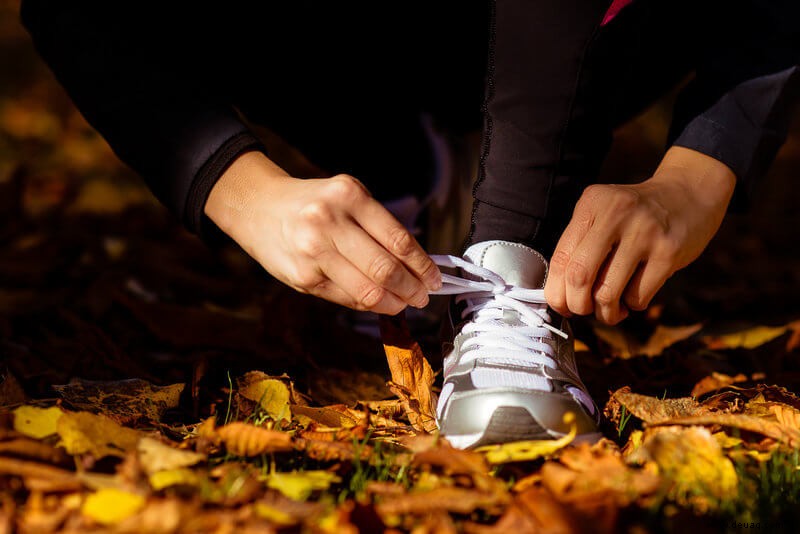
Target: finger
645, 283
555, 287
394, 237
380, 266
612, 280
350, 287
584, 264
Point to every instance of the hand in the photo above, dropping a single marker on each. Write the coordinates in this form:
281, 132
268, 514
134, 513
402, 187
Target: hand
625, 241
327, 237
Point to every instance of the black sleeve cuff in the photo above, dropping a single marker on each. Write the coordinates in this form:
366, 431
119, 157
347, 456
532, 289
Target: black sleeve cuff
744, 128
194, 217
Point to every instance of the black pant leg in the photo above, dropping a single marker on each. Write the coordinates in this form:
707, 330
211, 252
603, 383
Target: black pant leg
558, 83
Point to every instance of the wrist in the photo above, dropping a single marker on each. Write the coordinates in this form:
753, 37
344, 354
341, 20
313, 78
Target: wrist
706, 179
242, 188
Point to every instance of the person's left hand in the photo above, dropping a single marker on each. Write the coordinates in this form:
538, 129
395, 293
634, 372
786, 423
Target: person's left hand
625, 241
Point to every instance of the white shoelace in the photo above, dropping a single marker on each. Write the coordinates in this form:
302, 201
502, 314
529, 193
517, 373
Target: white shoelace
488, 300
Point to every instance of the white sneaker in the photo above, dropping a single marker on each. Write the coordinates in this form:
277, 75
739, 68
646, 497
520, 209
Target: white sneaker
509, 373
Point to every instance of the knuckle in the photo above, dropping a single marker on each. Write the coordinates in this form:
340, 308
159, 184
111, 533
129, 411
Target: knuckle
577, 274
371, 296
559, 261
345, 187
310, 245
668, 248
624, 199
307, 281
317, 213
606, 295
383, 270
402, 242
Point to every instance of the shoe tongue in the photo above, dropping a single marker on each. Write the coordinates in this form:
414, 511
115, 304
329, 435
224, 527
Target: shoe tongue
517, 264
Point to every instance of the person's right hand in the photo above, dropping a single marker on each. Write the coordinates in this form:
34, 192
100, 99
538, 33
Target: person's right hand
327, 237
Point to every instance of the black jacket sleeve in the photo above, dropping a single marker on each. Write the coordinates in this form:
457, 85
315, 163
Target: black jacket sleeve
139, 73
737, 108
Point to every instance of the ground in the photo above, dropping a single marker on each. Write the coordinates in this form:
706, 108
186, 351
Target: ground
221, 400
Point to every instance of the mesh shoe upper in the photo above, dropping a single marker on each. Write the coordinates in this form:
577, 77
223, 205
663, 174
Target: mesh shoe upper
510, 372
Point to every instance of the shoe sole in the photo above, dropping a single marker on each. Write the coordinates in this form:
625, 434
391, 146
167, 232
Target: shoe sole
513, 423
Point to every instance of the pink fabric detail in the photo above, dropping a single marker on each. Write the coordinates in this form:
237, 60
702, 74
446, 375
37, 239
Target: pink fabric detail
616, 7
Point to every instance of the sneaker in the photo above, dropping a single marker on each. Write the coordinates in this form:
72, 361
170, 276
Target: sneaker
510, 373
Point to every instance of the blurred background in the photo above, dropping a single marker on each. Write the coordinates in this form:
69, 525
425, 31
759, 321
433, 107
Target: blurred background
97, 280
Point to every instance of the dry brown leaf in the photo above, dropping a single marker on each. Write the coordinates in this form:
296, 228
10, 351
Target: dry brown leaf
334, 416
452, 461
534, 510
84, 432
789, 436
583, 474
26, 469
33, 450
715, 381
412, 376
624, 346
243, 439
652, 410
786, 415
156, 456
332, 451
457, 500
125, 401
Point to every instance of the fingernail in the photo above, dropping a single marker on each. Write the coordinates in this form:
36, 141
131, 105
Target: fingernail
422, 301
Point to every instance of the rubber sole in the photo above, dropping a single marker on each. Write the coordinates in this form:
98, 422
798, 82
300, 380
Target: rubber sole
513, 423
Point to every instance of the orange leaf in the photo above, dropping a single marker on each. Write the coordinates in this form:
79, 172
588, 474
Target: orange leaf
412, 376
249, 440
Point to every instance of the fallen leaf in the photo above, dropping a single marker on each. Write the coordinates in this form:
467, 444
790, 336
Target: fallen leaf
789, 436
535, 510
173, 477
525, 451
125, 401
274, 515
155, 456
83, 432
110, 506
412, 376
36, 422
335, 416
457, 500
270, 393
715, 381
583, 474
243, 439
329, 451
691, 458
746, 339
300, 485
653, 410
624, 346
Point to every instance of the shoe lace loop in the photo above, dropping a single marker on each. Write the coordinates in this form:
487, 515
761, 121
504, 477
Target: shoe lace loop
487, 299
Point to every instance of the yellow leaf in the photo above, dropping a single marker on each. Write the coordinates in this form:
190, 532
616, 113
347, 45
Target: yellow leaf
299, 485
156, 456
173, 477
702, 476
83, 432
110, 506
727, 442
625, 346
36, 422
271, 393
273, 515
523, 451
747, 339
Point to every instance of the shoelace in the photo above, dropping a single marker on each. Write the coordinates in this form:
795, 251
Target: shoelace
487, 300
